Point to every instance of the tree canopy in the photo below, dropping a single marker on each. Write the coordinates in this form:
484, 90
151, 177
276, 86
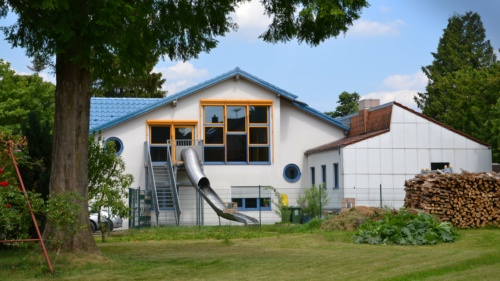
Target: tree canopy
348, 103
20, 95
464, 87
108, 185
90, 35
463, 45
147, 84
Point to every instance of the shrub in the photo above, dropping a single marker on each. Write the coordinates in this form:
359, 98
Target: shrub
405, 228
310, 201
15, 218
313, 224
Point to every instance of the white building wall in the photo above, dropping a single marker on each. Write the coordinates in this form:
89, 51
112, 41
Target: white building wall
411, 145
299, 132
293, 132
328, 158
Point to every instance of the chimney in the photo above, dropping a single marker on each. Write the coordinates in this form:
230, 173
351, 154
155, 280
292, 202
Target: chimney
363, 107
362, 120
368, 103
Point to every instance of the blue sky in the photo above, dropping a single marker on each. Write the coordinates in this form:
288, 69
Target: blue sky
379, 57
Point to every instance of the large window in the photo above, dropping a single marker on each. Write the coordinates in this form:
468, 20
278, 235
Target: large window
237, 132
159, 135
165, 134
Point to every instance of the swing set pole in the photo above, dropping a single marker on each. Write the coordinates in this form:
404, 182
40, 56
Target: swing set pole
31, 212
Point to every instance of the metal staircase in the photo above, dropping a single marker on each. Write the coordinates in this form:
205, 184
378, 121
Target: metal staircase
162, 184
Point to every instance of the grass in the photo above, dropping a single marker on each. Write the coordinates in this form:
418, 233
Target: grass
270, 253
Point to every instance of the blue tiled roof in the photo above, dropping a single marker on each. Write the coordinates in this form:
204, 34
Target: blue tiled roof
104, 110
319, 114
110, 112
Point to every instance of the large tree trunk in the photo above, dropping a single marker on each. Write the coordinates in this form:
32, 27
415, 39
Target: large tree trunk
69, 161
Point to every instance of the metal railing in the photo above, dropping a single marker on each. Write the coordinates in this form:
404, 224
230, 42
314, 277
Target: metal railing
151, 180
173, 186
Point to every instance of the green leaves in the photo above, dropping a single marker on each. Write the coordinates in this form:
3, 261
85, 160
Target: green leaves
107, 183
463, 83
405, 228
310, 21
310, 200
348, 103
20, 94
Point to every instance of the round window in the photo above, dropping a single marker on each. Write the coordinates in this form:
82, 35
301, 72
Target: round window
118, 144
291, 173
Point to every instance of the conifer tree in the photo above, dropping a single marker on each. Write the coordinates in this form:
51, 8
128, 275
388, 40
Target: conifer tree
463, 46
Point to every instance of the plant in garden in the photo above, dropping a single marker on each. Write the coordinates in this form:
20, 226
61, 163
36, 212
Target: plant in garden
281, 209
15, 218
405, 228
107, 184
310, 201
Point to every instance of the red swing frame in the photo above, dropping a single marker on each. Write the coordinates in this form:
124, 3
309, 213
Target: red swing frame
40, 239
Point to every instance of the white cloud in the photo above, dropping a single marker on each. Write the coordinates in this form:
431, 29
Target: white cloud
180, 76
385, 9
369, 28
412, 81
400, 88
251, 20
405, 97
47, 77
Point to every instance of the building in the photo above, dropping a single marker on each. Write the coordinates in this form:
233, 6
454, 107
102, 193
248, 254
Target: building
386, 145
247, 134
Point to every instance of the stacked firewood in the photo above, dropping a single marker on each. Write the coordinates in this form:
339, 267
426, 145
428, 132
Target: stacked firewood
466, 200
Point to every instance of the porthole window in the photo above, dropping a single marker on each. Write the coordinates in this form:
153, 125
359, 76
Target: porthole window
118, 144
291, 173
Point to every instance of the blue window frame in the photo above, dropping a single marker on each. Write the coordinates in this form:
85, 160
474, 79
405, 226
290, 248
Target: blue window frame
323, 175
335, 175
313, 176
237, 132
118, 144
291, 173
253, 204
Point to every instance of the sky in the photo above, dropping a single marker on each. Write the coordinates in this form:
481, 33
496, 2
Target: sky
381, 56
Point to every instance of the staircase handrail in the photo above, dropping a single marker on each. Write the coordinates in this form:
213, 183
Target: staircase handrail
151, 180
173, 184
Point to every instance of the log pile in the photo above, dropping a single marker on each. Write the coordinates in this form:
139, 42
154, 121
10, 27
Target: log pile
467, 200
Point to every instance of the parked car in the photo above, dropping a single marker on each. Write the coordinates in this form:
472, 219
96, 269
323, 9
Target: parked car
114, 221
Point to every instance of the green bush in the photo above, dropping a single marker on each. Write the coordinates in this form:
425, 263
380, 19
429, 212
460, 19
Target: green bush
313, 224
310, 201
15, 219
405, 228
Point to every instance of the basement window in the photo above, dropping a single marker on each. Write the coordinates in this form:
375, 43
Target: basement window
253, 204
439, 165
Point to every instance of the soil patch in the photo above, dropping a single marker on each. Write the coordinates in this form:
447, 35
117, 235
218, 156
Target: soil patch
350, 219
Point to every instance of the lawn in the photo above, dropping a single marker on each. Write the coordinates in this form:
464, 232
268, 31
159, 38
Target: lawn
270, 253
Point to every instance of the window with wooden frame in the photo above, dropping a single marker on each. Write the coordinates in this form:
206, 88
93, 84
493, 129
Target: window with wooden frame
162, 133
237, 131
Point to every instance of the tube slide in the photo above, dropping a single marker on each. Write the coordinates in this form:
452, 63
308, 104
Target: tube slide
202, 184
